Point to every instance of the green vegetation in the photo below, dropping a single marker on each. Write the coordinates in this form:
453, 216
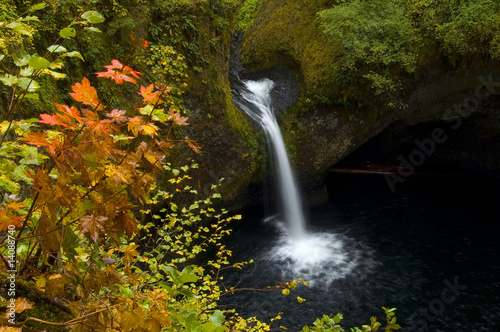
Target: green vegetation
247, 13
379, 40
385, 40
364, 53
332, 324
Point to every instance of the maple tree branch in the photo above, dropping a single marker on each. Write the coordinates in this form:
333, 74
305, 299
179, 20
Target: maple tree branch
270, 289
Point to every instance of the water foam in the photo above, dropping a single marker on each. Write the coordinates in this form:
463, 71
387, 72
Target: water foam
320, 258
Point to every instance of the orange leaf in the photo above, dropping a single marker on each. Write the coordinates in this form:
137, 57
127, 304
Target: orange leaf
23, 304
177, 118
92, 225
38, 139
132, 319
117, 116
71, 111
126, 224
7, 219
10, 329
149, 96
51, 120
86, 94
193, 145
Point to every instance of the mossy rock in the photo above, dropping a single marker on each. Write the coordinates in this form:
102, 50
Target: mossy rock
288, 35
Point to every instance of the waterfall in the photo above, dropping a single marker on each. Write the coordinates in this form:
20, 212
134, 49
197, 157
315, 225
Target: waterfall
256, 102
318, 257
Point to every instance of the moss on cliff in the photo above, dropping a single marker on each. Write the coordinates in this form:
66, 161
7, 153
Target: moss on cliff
288, 35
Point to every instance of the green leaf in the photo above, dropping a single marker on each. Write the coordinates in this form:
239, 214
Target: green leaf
93, 17
56, 49
146, 110
209, 327
19, 174
2, 57
21, 28
28, 18
21, 59
38, 62
83, 266
337, 318
8, 79
217, 318
57, 64
27, 71
8, 185
93, 29
192, 323
28, 84
54, 74
74, 54
187, 278
127, 292
173, 273
33, 96
174, 207
67, 33
39, 6
169, 289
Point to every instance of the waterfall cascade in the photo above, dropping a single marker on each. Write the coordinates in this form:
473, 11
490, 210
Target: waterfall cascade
258, 96
317, 257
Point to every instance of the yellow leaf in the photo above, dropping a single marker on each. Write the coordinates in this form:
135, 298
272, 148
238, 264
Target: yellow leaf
54, 286
132, 319
40, 281
51, 240
149, 129
129, 256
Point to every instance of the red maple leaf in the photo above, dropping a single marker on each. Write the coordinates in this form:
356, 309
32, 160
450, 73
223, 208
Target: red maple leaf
52, 120
149, 96
85, 93
119, 73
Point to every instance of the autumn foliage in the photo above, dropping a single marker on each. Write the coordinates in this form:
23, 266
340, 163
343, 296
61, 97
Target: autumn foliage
99, 158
